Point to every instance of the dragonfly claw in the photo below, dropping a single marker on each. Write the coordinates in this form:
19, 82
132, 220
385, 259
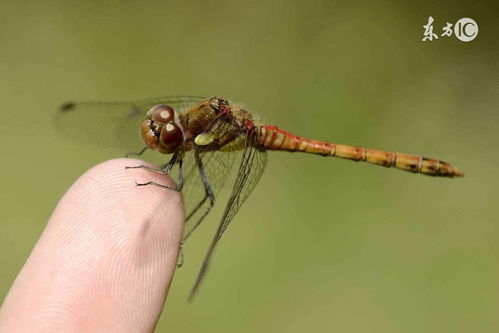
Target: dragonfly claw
180, 261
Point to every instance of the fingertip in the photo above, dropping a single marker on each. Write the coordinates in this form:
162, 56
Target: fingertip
109, 192
107, 255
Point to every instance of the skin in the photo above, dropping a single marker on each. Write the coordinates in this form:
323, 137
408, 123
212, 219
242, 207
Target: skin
106, 258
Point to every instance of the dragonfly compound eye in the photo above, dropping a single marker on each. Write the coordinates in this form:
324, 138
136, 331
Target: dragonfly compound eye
171, 136
149, 134
161, 113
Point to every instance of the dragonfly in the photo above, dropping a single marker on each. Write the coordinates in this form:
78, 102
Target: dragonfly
207, 139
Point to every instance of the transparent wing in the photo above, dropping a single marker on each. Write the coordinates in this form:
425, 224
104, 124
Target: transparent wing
216, 166
113, 124
251, 167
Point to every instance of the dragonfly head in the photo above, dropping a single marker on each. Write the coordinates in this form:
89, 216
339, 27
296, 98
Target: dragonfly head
161, 130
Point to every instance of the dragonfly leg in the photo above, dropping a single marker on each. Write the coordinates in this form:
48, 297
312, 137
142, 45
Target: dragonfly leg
173, 188
208, 195
131, 153
197, 207
165, 169
180, 261
145, 167
177, 188
168, 166
207, 187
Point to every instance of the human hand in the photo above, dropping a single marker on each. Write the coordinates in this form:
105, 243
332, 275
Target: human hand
106, 258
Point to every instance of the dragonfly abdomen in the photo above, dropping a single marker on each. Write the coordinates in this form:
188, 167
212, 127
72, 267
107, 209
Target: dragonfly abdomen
274, 138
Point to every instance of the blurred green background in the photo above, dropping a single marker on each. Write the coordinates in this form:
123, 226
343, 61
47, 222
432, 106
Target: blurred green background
322, 244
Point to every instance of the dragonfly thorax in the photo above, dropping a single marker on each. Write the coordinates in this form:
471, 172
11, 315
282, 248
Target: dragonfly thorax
201, 117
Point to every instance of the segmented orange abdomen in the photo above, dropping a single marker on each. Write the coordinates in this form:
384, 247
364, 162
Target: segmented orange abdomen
274, 138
